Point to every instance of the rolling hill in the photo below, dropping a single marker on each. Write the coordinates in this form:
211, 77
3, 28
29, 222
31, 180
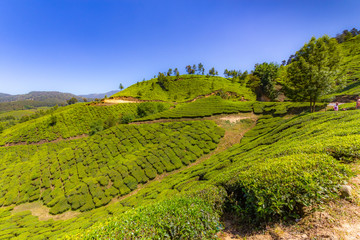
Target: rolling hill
185, 88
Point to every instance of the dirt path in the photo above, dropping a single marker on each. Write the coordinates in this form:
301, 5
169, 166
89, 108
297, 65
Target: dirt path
45, 141
39, 210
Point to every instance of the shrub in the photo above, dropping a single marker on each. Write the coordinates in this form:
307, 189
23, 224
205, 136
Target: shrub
148, 108
180, 218
96, 126
127, 118
283, 186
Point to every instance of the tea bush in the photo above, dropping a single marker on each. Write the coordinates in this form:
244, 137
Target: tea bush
179, 218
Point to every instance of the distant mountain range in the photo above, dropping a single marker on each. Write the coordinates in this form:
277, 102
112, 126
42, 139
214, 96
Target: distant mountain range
36, 96
36, 99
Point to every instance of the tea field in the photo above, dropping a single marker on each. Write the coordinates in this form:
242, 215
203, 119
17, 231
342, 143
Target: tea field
283, 164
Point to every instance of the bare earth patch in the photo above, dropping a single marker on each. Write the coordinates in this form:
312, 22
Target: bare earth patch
233, 118
39, 210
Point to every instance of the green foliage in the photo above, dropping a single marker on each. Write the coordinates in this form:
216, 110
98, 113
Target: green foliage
267, 73
179, 218
148, 108
315, 71
72, 100
127, 118
216, 105
96, 126
283, 186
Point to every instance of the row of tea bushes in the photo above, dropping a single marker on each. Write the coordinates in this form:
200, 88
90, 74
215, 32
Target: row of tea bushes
87, 173
214, 105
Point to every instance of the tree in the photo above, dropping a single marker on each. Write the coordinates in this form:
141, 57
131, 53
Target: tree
121, 87
52, 120
176, 72
213, 72
315, 71
163, 81
189, 70
226, 73
267, 73
170, 71
194, 68
72, 100
201, 68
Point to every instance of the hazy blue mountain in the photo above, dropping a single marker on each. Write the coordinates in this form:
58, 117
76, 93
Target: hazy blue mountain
99, 95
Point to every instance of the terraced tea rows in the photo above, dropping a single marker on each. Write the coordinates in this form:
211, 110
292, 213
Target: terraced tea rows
87, 173
298, 159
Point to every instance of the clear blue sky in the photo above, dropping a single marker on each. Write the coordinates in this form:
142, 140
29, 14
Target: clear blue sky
91, 46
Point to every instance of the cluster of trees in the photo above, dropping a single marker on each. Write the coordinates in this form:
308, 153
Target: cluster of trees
199, 69
313, 71
346, 35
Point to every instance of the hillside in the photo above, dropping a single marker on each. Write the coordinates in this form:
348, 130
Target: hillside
185, 88
63, 173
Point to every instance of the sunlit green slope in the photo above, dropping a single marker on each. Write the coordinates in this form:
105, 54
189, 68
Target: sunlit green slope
279, 167
184, 88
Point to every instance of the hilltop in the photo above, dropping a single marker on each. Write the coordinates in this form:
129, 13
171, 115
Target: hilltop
185, 88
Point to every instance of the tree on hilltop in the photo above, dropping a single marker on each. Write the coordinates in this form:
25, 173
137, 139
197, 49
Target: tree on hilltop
72, 100
201, 68
169, 72
189, 69
213, 72
121, 87
315, 71
176, 72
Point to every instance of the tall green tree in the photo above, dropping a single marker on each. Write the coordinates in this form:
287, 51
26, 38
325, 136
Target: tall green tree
189, 70
267, 73
315, 71
201, 68
121, 86
213, 72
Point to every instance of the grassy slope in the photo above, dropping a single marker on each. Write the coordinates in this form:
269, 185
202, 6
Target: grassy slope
186, 88
309, 145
